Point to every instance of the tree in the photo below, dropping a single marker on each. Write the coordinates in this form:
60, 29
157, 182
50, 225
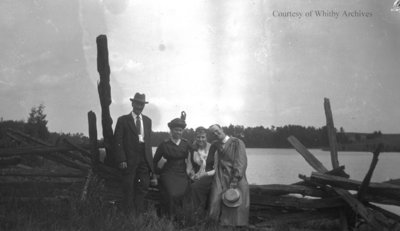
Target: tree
37, 123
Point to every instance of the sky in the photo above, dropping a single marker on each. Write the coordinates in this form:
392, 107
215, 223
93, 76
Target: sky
241, 62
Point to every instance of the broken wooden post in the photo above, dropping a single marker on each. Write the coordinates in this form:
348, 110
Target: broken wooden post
93, 139
359, 208
86, 186
367, 179
331, 133
104, 90
308, 156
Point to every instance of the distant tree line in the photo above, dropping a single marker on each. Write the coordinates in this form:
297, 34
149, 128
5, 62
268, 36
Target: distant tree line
253, 137
265, 137
35, 126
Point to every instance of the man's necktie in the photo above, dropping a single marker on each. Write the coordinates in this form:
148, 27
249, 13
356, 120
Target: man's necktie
138, 127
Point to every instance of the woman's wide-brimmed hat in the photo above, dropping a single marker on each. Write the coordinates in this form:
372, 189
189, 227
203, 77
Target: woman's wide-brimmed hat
232, 197
140, 98
177, 122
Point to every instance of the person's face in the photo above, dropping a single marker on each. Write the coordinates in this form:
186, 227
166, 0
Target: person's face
137, 107
201, 139
176, 133
218, 132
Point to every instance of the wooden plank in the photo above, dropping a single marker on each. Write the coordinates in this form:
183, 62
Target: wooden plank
385, 212
15, 138
104, 90
331, 133
377, 192
28, 137
4, 152
89, 178
58, 158
308, 156
296, 202
8, 161
280, 189
84, 152
49, 153
367, 179
67, 153
359, 208
350, 184
40, 173
56, 199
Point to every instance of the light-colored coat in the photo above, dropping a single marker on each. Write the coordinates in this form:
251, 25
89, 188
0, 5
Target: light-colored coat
231, 161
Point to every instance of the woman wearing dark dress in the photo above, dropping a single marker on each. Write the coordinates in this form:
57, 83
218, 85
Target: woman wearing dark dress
174, 181
201, 170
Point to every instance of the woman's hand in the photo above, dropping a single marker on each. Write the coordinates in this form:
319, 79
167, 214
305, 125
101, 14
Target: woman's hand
198, 176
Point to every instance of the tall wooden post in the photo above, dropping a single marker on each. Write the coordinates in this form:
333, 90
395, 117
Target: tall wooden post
331, 133
94, 149
104, 90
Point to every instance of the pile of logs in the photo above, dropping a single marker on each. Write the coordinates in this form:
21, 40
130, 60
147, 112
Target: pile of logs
329, 195
66, 166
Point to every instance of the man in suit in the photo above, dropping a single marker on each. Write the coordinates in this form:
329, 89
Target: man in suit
133, 154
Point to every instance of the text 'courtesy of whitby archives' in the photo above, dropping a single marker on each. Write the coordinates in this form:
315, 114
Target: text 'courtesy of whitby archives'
335, 14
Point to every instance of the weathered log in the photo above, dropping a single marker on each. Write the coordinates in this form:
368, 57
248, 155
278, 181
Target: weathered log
331, 133
385, 212
350, 184
94, 150
28, 137
66, 153
104, 90
308, 156
359, 208
40, 173
296, 202
280, 189
306, 181
4, 152
9, 161
50, 153
52, 200
86, 186
60, 159
338, 172
367, 179
14, 138
377, 192
81, 149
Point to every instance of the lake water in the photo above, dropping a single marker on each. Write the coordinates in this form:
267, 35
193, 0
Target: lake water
282, 166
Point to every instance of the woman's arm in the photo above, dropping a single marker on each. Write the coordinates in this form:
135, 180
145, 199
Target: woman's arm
157, 157
189, 166
240, 161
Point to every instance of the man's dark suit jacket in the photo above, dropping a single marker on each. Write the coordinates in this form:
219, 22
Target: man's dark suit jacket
127, 141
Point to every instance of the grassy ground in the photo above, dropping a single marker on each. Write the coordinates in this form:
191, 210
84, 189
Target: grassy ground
89, 215
97, 215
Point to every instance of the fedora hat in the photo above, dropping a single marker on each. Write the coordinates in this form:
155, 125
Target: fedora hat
140, 98
232, 197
